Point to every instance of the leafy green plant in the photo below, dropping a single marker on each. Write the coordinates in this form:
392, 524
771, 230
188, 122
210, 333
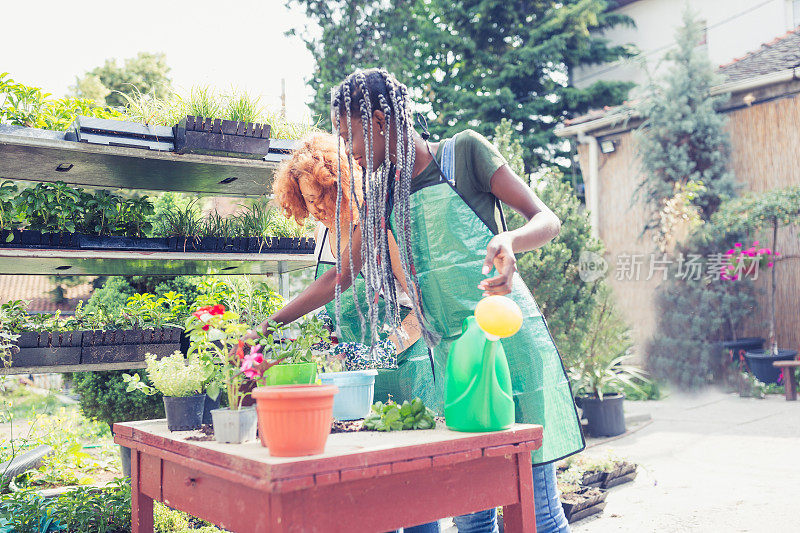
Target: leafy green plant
253, 301
105, 510
9, 218
27, 512
103, 396
603, 368
390, 416
22, 105
302, 349
215, 339
148, 311
186, 222
54, 207
174, 375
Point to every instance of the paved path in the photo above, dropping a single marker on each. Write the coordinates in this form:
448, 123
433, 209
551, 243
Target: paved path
712, 462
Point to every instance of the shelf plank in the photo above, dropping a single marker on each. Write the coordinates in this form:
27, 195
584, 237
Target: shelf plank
34, 155
120, 263
8, 371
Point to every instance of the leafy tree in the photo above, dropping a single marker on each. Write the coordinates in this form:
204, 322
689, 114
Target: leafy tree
683, 147
145, 74
472, 63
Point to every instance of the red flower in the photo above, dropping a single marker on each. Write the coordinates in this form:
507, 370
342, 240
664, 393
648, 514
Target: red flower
205, 328
218, 309
240, 350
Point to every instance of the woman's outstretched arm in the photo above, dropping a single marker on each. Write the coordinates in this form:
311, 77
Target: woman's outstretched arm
321, 290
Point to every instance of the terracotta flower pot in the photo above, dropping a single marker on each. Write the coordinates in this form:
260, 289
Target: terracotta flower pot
294, 420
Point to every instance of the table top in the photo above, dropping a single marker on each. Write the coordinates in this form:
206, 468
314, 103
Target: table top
359, 454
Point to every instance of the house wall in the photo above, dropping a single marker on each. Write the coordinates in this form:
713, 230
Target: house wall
765, 155
734, 27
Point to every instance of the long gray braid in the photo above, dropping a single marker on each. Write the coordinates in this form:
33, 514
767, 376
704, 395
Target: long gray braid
353, 95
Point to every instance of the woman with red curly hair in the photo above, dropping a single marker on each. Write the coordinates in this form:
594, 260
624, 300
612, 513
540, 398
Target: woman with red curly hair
306, 185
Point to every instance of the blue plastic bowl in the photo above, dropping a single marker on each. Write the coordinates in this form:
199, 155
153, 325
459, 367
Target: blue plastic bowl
356, 390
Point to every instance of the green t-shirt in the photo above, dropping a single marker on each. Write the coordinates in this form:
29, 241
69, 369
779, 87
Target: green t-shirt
476, 161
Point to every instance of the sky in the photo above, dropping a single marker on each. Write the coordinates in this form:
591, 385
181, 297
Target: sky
233, 43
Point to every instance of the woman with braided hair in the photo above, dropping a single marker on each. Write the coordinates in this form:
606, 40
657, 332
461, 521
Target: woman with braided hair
306, 185
442, 203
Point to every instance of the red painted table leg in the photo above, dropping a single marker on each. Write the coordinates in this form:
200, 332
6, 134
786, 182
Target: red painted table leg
141, 505
521, 517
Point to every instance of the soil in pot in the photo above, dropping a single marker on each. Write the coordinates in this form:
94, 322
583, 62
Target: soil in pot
291, 374
356, 391
294, 420
184, 413
605, 417
234, 426
760, 364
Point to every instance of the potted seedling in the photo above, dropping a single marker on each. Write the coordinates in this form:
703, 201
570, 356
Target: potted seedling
601, 375
299, 357
180, 381
214, 335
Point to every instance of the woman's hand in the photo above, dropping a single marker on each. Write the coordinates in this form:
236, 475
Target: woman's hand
500, 255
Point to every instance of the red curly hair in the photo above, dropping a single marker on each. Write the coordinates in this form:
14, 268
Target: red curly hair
315, 159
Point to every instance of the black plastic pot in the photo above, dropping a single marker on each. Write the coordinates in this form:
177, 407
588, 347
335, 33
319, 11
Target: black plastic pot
115, 242
48, 348
184, 412
760, 364
208, 406
127, 345
748, 344
605, 417
202, 135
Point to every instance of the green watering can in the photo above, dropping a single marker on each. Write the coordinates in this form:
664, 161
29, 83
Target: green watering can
478, 393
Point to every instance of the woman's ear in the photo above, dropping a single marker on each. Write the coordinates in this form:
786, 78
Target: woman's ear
379, 122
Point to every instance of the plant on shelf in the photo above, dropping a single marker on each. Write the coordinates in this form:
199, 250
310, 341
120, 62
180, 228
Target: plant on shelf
9, 218
51, 207
185, 222
180, 380
253, 301
148, 311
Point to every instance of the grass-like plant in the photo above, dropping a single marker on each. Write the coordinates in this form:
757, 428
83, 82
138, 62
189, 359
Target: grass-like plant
173, 375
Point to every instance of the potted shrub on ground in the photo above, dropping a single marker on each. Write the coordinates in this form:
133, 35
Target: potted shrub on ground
600, 376
755, 212
180, 380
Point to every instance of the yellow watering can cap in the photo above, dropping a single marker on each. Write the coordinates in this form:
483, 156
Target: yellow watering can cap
498, 315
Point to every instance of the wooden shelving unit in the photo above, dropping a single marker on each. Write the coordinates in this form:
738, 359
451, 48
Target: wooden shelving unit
30, 154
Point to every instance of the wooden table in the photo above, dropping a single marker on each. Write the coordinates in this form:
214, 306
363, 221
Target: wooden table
364, 482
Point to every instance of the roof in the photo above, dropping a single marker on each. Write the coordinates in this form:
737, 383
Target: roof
781, 53
38, 289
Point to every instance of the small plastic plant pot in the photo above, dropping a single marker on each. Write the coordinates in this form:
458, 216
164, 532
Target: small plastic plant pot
294, 420
184, 412
356, 391
234, 426
291, 374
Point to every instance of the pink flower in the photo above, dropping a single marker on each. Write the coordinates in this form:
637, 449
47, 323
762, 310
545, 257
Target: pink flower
755, 243
729, 252
738, 245
777, 254
250, 361
763, 251
769, 264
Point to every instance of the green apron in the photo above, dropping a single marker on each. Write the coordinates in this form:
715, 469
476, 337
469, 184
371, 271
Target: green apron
413, 376
449, 247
